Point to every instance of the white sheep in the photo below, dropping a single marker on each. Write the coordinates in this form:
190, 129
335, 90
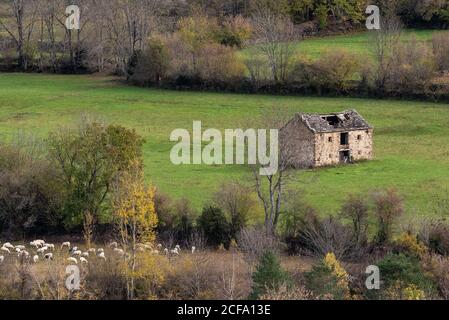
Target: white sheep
42, 250
77, 253
193, 249
83, 260
166, 251
102, 256
65, 244
92, 250
34, 244
175, 251
100, 250
35, 258
37, 243
85, 254
4, 249
8, 245
21, 247
72, 259
49, 256
50, 246
2, 258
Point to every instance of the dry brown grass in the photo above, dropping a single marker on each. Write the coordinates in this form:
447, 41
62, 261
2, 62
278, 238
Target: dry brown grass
206, 274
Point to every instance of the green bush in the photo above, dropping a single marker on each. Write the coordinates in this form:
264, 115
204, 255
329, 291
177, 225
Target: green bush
399, 272
328, 280
269, 275
215, 227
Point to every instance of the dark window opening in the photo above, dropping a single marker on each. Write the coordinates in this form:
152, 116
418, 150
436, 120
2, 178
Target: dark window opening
332, 120
359, 137
330, 139
344, 138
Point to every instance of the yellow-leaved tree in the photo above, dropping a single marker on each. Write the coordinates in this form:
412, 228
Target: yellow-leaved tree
135, 218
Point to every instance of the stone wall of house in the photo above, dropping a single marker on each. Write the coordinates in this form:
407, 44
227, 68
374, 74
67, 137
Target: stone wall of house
328, 147
297, 144
361, 144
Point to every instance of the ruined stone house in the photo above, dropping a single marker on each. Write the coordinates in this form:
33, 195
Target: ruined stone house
317, 140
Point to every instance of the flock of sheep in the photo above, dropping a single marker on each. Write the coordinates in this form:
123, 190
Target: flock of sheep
42, 250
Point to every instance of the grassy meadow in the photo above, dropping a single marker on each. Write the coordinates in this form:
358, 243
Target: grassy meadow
411, 138
359, 43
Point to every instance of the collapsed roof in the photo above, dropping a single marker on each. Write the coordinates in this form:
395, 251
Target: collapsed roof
348, 120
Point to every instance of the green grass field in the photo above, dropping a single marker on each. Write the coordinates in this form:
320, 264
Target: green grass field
411, 138
358, 43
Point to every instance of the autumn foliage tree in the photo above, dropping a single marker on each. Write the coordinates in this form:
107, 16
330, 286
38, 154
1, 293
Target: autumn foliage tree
135, 218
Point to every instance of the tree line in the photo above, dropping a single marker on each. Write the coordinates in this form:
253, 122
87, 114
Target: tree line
33, 36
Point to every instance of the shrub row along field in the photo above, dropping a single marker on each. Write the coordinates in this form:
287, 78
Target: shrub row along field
411, 146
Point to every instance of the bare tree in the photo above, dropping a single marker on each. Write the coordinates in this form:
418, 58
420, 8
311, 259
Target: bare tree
48, 10
130, 23
275, 33
21, 27
271, 188
384, 41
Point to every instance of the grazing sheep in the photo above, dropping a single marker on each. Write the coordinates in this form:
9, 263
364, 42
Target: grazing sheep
34, 244
42, 250
102, 256
72, 259
2, 258
65, 244
85, 254
20, 247
8, 246
175, 251
159, 246
166, 251
100, 250
92, 250
35, 258
37, 243
6, 250
83, 260
49, 256
193, 249
77, 253
50, 246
